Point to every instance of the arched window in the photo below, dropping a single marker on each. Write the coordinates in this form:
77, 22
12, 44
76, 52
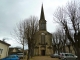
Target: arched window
42, 38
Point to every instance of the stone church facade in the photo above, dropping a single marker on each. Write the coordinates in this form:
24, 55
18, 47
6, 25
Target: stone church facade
43, 38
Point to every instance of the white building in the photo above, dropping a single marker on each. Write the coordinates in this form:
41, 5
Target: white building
4, 48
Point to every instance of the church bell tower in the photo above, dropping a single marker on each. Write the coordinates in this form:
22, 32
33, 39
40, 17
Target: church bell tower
42, 38
42, 21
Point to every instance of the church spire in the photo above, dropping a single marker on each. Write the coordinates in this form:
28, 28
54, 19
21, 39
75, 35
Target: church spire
42, 13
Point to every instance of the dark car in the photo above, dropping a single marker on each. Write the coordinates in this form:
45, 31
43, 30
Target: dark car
11, 57
54, 55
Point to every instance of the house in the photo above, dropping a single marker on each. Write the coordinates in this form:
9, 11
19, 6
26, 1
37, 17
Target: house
4, 49
14, 50
71, 49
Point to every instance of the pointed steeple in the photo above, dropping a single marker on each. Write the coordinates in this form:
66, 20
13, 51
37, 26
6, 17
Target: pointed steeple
42, 13
42, 21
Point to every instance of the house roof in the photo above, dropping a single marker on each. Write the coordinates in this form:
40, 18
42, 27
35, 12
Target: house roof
11, 49
4, 43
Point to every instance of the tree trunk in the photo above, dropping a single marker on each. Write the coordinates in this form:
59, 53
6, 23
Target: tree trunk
29, 51
28, 55
58, 49
23, 49
69, 48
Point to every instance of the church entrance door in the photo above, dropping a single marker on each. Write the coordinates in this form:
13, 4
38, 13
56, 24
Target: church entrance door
43, 52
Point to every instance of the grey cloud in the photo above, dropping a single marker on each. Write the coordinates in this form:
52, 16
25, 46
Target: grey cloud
12, 11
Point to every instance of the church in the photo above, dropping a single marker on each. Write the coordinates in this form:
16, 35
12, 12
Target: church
43, 38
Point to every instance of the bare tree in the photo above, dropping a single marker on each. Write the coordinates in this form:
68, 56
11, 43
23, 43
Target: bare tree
68, 17
59, 41
31, 28
18, 34
24, 33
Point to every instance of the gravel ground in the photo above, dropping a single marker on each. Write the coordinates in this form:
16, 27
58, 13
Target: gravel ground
43, 58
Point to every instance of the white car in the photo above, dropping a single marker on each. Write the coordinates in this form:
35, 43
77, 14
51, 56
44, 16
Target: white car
20, 55
54, 55
67, 56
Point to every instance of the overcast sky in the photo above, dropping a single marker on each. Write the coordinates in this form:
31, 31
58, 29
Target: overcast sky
13, 11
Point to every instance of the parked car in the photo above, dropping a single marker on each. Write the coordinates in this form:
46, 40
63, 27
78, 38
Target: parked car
11, 57
67, 56
20, 55
55, 55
